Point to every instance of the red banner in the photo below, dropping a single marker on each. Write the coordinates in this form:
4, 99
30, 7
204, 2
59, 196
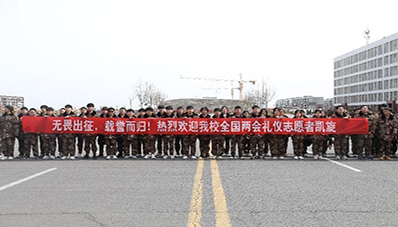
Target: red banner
199, 126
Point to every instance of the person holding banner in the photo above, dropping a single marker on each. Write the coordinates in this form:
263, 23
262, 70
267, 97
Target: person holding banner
68, 139
237, 140
111, 140
204, 140
318, 141
168, 140
340, 141
298, 141
49, 139
149, 140
189, 141
217, 141
90, 140
257, 140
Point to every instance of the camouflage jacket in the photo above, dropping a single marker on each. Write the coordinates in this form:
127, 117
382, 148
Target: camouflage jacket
371, 121
9, 126
386, 128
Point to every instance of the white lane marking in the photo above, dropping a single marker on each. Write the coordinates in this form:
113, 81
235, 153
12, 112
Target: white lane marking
343, 165
26, 179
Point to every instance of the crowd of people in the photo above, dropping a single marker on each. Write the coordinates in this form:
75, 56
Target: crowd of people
380, 142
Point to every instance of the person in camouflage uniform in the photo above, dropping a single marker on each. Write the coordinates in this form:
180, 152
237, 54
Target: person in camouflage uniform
101, 137
365, 141
340, 141
237, 140
122, 139
48, 139
168, 140
204, 140
90, 140
10, 130
80, 137
159, 141
278, 142
217, 140
31, 143
21, 135
386, 129
131, 142
149, 140
189, 141
111, 140
318, 140
298, 140
178, 139
68, 139
256, 140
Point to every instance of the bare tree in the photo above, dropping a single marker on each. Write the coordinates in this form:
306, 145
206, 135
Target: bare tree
148, 94
261, 95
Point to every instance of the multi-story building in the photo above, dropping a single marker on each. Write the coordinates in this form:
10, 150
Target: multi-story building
11, 101
368, 75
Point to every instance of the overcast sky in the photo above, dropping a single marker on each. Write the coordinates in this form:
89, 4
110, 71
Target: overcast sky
59, 52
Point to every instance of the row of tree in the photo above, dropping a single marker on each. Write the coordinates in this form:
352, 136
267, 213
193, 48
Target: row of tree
147, 94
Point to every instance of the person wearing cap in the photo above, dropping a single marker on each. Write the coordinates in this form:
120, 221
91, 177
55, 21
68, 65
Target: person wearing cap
49, 139
189, 141
130, 144
140, 138
68, 139
168, 140
9, 130
298, 140
31, 142
386, 130
364, 142
257, 142
43, 112
204, 140
111, 140
149, 140
318, 140
80, 137
101, 137
237, 140
277, 142
161, 112
90, 140
21, 135
178, 138
340, 141
217, 141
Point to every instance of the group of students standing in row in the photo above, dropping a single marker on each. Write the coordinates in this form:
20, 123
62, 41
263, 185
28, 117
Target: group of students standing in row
380, 141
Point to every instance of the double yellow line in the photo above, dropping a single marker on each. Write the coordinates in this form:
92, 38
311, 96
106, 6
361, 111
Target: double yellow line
220, 202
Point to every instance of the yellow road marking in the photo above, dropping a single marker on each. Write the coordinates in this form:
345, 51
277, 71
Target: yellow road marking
195, 212
220, 202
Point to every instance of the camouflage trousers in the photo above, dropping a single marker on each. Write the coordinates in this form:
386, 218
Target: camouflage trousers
90, 143
237, 143
8, 146
217, 145
298, 145
21, 144
132, 143
340, 145
80, 140
256, 145
189, 145
31, 143
385, 147
68, 145
204, 143
364, 143
278, 145
48, 146
149, 144
111, 145
318, 146
168, 145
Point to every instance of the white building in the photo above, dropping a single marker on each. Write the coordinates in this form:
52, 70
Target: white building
306, 102
6, 100
368, 75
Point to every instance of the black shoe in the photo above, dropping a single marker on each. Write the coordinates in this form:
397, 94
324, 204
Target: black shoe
94, 157
86, 156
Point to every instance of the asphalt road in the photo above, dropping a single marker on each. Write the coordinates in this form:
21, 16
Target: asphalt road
176, 192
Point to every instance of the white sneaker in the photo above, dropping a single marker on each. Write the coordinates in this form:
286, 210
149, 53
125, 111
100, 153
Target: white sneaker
134, 157
242, 158
316, 157
185, 157
337, 157
114, 157
153, 156
78, 156
345, 157
172, 157
274, 157
165, 157
108, 157
10, 158
52, 157
301, 157
213, 157
63, 157
126, 157
281, 157
146, 156
296, 157
45, 157
232, 157
193, 157
72, 158
219, 157
4, 158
